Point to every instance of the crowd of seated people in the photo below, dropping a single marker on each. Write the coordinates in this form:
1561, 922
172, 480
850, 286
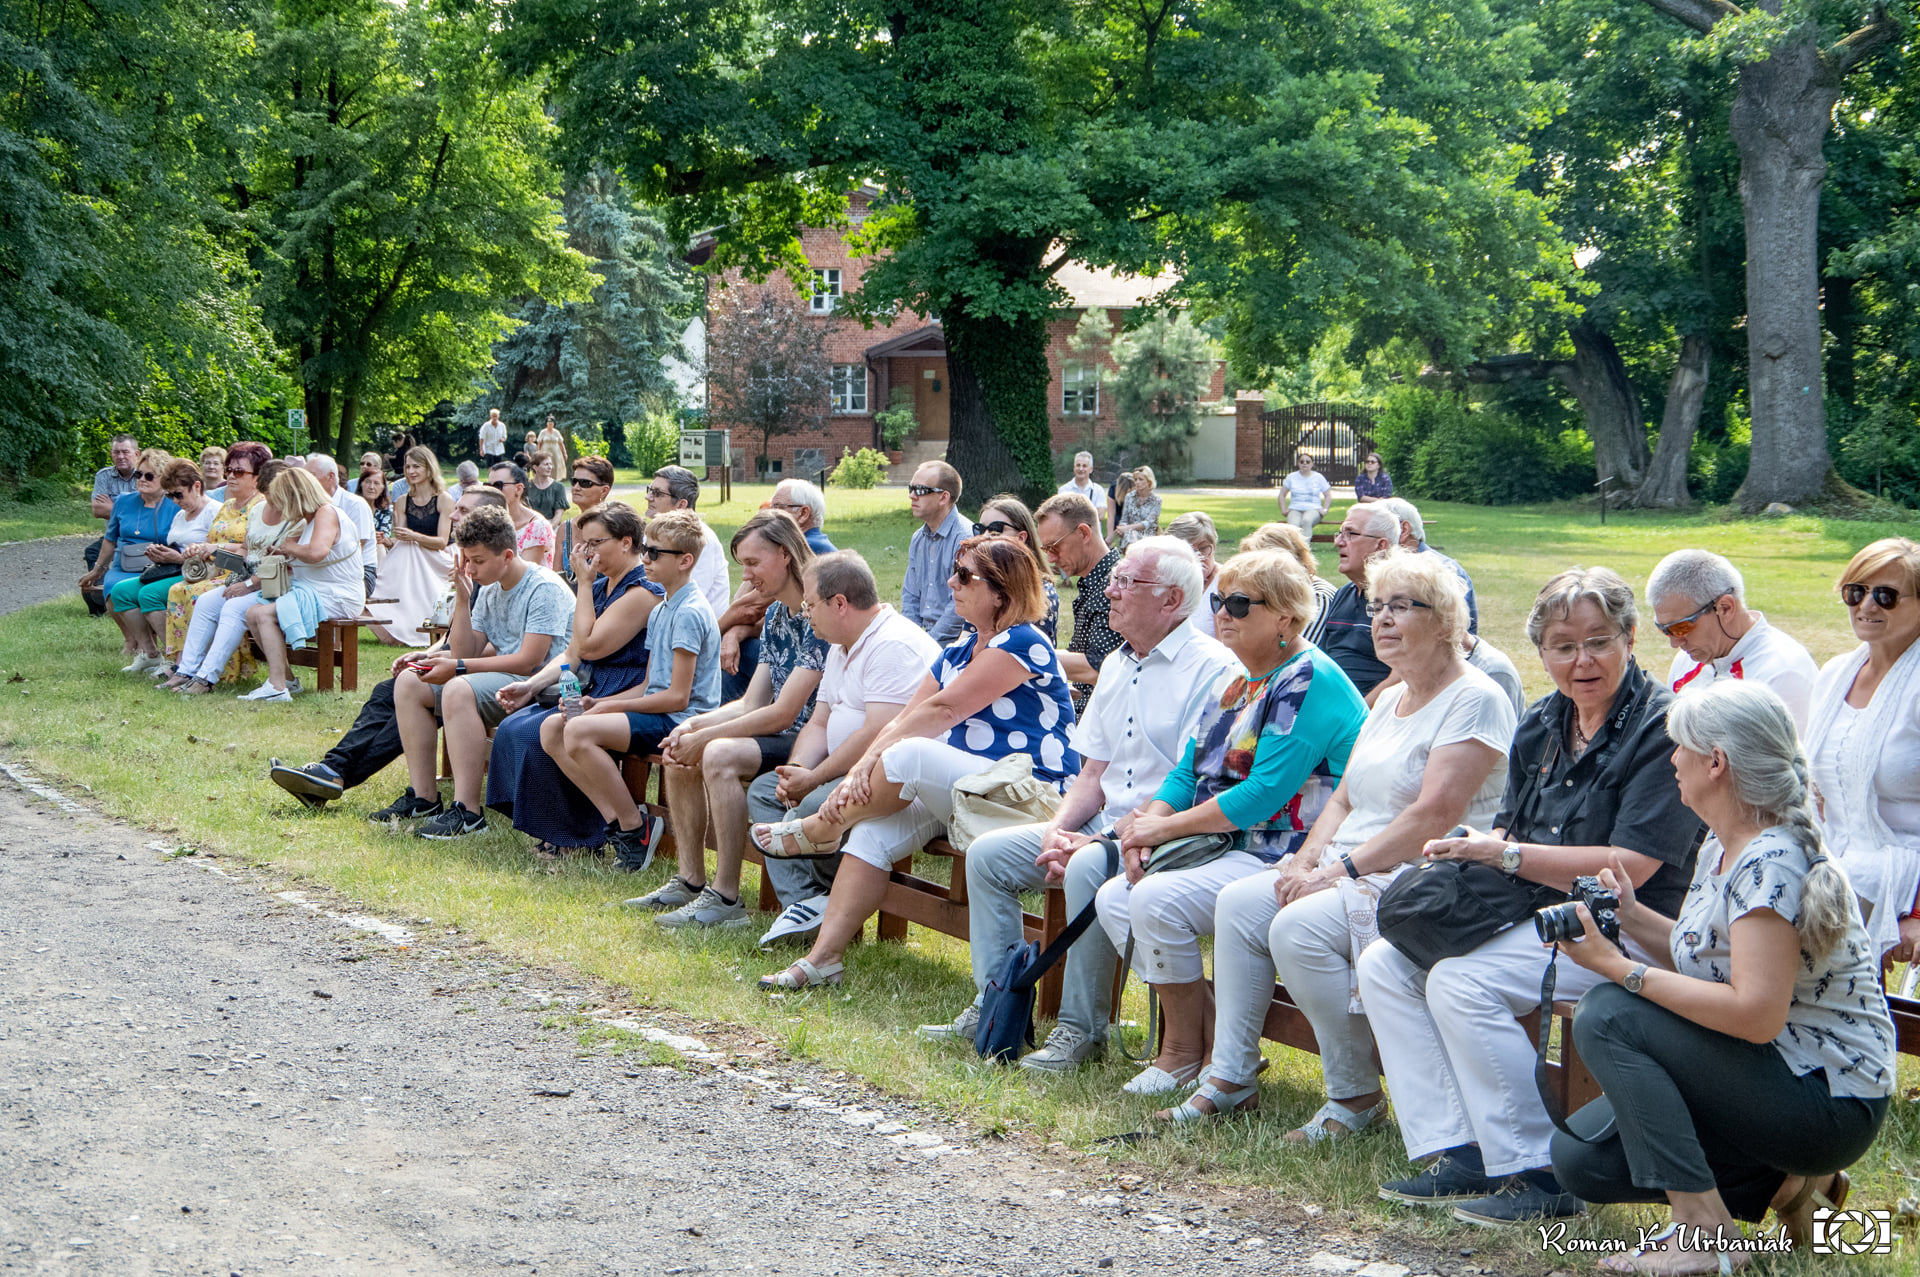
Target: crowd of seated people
1757, 817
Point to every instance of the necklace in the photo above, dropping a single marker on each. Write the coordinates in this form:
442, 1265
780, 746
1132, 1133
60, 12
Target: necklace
1580, 738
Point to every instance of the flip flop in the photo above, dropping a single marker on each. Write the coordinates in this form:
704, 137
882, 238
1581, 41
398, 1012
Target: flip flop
767, 839
1634, 1261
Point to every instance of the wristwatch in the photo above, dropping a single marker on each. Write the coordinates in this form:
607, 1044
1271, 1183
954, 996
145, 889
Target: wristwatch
1510, 859
1635, 978
460, 668
1353, 870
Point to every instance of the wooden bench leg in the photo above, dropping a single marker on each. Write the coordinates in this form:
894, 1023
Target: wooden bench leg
1050, 983
323, 667
350, 658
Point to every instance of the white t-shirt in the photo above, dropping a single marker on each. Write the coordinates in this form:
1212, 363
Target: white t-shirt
1305, 490
710, 573
355, 510
1764, 655
1389, 759
192, 529
885, 666
1091, 492
1493, 662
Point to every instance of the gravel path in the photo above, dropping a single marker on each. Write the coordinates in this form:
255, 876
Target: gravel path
35, 571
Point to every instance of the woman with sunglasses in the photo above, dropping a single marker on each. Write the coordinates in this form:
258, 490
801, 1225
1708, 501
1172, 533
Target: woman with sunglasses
1428, 757
1007, 516
1373, 482
592, 484
417, 569
1269, 748
998, 691
227, 531
141, 608
139, 519
1863, 741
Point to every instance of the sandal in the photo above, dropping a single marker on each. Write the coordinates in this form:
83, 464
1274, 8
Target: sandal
1635, 1260
1154, 1080
1347, 1123
1226, 1102
1796, 1217
765, 837
194, 687
810, 975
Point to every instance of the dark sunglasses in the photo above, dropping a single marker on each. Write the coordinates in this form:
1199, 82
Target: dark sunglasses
922, 490
180, 495
966, 575
653, 552
1883, 595
588, 482
237, 474
999, 528
1234, 605
148, 475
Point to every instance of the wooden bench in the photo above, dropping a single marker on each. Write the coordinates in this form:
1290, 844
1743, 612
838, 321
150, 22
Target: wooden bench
336, 646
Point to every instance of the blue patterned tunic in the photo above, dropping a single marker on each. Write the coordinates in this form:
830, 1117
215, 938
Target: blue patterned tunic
788, 643
1032, 719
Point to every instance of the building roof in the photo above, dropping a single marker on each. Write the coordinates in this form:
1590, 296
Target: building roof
1096, 286
931, 340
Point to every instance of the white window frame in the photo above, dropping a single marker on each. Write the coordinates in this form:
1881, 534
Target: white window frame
1074, 389
850, 383
826, 292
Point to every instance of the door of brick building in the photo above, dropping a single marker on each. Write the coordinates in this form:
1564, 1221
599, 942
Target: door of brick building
931, 392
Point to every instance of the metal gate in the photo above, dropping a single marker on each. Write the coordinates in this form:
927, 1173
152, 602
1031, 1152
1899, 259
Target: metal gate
1339, 436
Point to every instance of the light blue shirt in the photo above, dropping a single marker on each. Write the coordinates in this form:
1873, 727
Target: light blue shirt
684, 623
925, 597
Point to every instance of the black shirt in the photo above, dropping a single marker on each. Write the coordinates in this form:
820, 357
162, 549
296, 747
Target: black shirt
1348, 638
1621, 792
1091, 636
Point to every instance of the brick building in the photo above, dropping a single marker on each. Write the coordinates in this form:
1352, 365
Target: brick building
907, 359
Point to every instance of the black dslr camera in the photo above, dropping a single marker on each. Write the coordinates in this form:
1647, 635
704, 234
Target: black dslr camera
1560, 924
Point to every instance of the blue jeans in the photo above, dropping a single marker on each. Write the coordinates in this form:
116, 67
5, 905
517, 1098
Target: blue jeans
647, 731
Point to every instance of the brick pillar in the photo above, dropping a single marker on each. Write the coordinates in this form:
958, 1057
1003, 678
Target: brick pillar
1248, 436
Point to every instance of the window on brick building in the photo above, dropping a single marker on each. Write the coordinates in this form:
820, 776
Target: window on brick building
1079, 390
849, 388
826, 292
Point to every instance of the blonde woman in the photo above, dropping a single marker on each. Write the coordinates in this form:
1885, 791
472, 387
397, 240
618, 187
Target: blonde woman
1291, 540
417, 569
327, 582
218, 628
1140, 513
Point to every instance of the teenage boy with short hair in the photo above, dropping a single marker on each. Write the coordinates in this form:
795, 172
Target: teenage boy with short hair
683, 679
505, 624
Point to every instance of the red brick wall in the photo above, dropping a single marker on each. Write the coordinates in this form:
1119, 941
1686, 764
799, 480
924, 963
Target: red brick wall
1248, 435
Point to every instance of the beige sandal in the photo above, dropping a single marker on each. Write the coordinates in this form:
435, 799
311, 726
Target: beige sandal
809, 976
767, 839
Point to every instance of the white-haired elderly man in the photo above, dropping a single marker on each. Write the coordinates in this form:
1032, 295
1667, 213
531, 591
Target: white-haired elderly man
1413, 537
1130, 736
352, 507
808, 506
1367, 530
1699, 602
1082, 484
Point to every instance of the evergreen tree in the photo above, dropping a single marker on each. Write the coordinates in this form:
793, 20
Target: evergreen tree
1162, 372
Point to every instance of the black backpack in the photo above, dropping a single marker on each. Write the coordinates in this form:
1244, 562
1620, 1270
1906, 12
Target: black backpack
1006, 1007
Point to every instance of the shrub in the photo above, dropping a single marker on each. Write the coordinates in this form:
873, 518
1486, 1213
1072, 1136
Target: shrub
1443, 449
653, 442
862, 469
895, 423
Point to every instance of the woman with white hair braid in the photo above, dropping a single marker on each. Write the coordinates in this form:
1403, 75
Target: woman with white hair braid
1755, 1061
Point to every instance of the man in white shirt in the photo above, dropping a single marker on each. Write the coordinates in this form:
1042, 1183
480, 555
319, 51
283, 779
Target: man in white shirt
1698, 600
877, 662
1305, 495
675, 488
1413, 539
493, 436
352, 507
1083, 484
1136, 726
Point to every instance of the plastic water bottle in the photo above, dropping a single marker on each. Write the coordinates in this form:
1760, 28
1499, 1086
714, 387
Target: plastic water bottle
569, 693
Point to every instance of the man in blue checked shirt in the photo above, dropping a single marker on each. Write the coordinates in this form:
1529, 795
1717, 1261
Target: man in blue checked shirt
925, 597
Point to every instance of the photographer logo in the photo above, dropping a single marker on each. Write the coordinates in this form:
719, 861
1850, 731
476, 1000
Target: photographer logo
1852, 1232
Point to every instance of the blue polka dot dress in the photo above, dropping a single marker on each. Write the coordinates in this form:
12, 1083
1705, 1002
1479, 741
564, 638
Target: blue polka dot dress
1032, 719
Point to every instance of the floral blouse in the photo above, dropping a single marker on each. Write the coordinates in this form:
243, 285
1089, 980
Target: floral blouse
1139, 510
788, 643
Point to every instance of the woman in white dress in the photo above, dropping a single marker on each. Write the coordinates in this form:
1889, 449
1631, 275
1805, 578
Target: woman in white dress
419, 567
327, 582
1863, 742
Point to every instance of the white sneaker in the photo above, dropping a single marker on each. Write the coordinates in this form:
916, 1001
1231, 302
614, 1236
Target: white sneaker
162, 670
964, 1028
142, 663
708, 909
1066, 1050
266, 692
800, 918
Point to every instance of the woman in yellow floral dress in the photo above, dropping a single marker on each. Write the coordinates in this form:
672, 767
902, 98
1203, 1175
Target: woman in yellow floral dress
229, 532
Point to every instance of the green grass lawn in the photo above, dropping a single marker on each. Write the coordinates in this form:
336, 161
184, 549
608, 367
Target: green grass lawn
57, 517
195, 769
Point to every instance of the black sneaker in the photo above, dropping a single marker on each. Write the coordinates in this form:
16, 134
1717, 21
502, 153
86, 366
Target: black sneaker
633, 848
316, 784
455, 822
1520, 1199
1442, 1184
408, 806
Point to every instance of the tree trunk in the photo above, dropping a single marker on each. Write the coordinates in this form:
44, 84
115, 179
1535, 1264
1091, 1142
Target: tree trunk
1780, 118
1665, 487
1598, 378
349, 416
999, 438
319, 404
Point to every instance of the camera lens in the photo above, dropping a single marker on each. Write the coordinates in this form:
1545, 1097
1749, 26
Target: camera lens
1557, 924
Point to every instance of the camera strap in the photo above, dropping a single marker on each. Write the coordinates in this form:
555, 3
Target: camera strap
1541, 1081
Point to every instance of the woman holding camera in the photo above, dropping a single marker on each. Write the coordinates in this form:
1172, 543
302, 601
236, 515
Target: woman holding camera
1753, 1058
1589, 781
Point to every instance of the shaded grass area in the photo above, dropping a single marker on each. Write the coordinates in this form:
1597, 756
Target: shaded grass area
58, 516
194, 768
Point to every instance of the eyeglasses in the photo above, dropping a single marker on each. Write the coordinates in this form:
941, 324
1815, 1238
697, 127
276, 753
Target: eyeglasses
1048, 547
148, 475
653, 552
1687, 624
1344, 535
922, 490
1855, 594
783, 505
1567, 653
1401, 609
659, 494
1122, 582
177, 495
593, 544
998, 528
588, 482
964, 575
1235, 605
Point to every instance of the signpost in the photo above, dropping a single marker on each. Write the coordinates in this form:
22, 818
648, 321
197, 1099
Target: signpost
296, 419
704, 450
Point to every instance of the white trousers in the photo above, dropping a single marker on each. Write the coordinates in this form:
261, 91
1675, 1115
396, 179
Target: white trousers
1308, 945
1167, 913
1304, 520
926, 771
1459, 1065
218, 627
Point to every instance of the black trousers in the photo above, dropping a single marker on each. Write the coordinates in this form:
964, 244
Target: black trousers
371, 743
1699, 1110
96, 600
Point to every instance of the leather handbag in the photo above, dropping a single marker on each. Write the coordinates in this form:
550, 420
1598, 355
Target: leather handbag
195, 571
276, 575
1447, 908
133, 558
158, 572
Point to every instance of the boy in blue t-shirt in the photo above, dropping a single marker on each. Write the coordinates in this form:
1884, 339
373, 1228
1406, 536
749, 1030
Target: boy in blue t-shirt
683, 679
